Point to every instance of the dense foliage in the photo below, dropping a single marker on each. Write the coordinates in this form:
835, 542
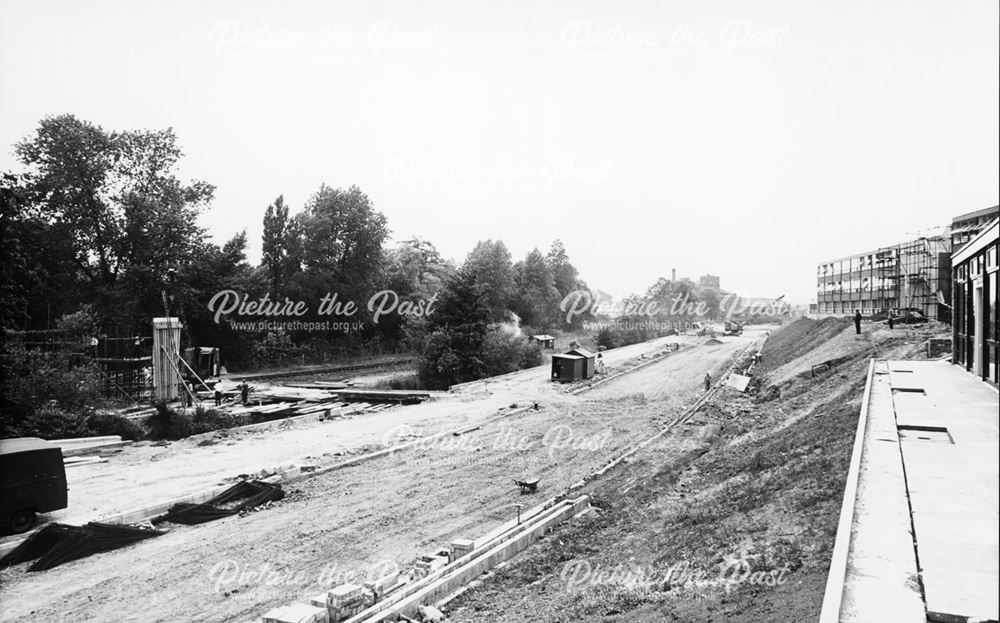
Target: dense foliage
98, 222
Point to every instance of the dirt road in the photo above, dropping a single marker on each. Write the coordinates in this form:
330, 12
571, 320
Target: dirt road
145, 474
383, 512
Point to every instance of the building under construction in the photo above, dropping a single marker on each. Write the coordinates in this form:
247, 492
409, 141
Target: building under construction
909, 275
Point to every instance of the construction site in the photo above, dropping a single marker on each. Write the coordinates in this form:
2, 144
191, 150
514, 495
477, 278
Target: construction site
554, 312
515, 498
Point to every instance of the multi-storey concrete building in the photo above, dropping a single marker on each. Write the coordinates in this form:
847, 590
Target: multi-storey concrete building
910, 275
967, 226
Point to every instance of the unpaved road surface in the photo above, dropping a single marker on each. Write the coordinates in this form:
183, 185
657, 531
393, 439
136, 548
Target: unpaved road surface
145, 474
386, 511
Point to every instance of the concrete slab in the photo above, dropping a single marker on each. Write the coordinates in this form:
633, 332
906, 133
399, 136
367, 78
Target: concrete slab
881, 579
949, 598
738, 382
953, 489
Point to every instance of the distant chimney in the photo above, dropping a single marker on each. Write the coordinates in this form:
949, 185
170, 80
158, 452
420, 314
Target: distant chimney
673, 274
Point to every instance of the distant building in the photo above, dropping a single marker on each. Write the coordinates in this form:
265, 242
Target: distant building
544, 340
910, 275
967, 226
975, 302
708, 281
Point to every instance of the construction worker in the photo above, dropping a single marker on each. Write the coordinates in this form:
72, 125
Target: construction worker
890, 319
857, 321
244, 392
218, 397
708, 381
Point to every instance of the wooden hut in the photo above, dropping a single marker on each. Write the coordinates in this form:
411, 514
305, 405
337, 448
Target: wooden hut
589, 361
567, 368
544, 340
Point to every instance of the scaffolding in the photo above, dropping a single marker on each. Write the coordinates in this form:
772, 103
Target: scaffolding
126, 366
886, 279
923, 276
910, 275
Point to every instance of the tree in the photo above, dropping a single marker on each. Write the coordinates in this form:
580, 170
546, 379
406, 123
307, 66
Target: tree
38, 281
537, 301
451, 342
415, 272
341, 237
712, 299
566, 278
564, 274
275, 257
415, 268
115, 197
489, 264
211, 269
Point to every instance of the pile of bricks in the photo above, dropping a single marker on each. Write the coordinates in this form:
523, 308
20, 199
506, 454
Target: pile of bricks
378, 588
346, 600
429, 564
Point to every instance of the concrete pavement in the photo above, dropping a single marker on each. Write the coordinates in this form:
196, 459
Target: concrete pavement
922, 540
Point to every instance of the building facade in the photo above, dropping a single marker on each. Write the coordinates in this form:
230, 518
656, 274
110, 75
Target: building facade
967, 226
911, 275
709, 281
975, 301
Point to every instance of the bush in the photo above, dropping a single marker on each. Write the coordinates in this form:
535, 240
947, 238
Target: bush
401, 382
207, 420
506, 351
606, 338
168, 424
32, 378
46, 394
50, 421
102, 424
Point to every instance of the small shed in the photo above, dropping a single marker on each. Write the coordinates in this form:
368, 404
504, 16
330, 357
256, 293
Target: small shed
589, 361
203, 360
567, 368
545, 340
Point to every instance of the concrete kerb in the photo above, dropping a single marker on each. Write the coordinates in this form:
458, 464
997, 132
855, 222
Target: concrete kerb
438, 587
834, 593
391, 605
687, 413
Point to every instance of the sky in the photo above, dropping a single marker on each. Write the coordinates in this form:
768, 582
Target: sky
746, 140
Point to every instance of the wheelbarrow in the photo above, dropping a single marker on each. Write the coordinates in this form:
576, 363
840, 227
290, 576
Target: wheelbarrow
527, 486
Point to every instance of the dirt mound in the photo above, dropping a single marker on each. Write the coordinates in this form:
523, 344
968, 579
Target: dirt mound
731, 517
736, 525
797, 338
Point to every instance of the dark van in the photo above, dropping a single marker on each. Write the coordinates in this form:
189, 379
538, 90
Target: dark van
32, 480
